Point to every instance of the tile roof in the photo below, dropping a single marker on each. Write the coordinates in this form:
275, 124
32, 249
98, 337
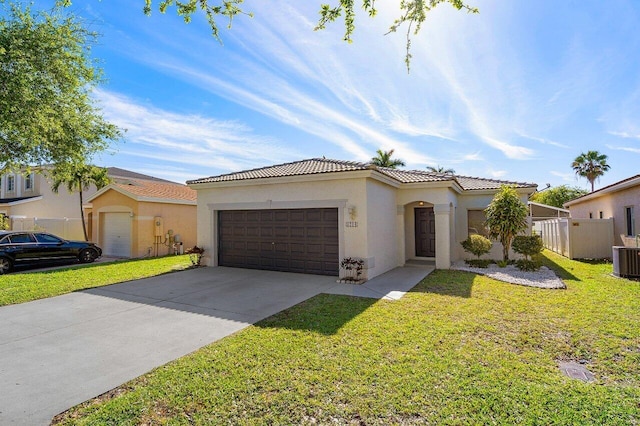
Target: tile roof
116, 172
324, 165
160, 190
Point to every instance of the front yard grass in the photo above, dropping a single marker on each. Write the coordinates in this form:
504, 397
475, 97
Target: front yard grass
458, 349
27, 286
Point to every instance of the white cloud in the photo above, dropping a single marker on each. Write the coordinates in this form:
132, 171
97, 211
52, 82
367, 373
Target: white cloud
625, 135
624, 148
189, 140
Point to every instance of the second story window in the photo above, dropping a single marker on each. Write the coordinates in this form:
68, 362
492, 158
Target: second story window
11, 183
28, 182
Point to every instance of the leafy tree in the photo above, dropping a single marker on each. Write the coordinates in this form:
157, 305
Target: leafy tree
413, 13
79, 177
441, 169
506, 217
591, 166
47, 114
558, 196
5, 222
383, 159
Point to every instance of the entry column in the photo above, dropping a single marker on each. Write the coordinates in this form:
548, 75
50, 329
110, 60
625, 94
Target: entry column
443, 237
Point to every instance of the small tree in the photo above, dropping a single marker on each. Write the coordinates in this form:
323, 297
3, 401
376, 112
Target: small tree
477, 244
527, 245
79, 177
506, 217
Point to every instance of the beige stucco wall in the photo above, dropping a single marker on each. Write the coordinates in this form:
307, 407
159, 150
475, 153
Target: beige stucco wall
612, 206
381, 225
180, 218
478, 201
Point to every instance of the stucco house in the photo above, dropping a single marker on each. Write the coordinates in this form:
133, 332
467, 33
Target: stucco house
140, 216
29, 202
620, 201
308, 215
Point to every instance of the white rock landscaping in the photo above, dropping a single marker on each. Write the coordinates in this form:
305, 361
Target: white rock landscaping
543, 278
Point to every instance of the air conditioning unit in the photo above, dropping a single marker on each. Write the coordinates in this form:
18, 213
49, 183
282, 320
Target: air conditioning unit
626, 262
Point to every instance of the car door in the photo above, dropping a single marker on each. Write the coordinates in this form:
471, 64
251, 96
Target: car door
24, 247
52, 248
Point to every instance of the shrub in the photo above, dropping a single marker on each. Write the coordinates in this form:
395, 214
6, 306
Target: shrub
353, 267
477, 244
503, 263
4, 222
479, 263
527, 265
527, 245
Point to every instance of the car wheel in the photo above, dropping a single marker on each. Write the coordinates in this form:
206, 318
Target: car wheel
5, 265
87, 256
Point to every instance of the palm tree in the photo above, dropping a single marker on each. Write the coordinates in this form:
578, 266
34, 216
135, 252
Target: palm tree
591, 166
79, 177
441, 170
383, 159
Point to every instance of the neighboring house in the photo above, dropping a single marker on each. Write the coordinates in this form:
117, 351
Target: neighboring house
308, 215
138, 216
620, 201
30, 203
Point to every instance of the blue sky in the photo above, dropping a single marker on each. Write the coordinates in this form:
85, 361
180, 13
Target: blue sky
515, 92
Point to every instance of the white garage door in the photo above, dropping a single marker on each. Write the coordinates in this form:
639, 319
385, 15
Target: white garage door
117, 235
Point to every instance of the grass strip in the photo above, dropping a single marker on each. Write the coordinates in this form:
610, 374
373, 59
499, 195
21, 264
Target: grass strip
28, 286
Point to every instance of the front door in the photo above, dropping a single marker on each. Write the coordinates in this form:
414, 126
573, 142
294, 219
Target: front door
425, 232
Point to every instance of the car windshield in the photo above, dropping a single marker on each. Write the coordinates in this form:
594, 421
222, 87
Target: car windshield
47, 238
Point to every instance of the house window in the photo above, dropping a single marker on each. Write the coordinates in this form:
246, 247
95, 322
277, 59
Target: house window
600, 215
11, 183
28, 182
476, 221
629, 221
590, 215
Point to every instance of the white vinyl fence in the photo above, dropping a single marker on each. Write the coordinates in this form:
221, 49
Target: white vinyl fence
69, 229
578, 238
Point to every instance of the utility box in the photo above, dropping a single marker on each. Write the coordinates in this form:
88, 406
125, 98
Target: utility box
626, 262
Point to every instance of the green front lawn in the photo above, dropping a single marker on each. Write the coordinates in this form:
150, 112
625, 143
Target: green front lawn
458, 349
24, 287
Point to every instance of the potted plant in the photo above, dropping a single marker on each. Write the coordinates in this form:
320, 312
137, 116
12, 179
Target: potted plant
195, 255
352, 267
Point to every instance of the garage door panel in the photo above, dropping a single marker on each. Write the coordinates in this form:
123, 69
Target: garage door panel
297, 240
281, 232
281, 215
117, 234
331, 249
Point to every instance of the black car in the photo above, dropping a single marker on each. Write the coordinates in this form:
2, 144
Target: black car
39, 248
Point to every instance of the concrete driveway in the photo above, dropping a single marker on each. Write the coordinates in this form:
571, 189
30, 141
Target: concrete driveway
58, 352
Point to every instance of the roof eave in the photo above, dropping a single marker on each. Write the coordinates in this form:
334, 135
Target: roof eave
625, 184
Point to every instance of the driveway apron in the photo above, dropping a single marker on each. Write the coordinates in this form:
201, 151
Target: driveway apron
58, 352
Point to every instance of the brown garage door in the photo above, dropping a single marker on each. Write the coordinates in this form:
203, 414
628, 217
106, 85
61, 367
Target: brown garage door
291, 240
